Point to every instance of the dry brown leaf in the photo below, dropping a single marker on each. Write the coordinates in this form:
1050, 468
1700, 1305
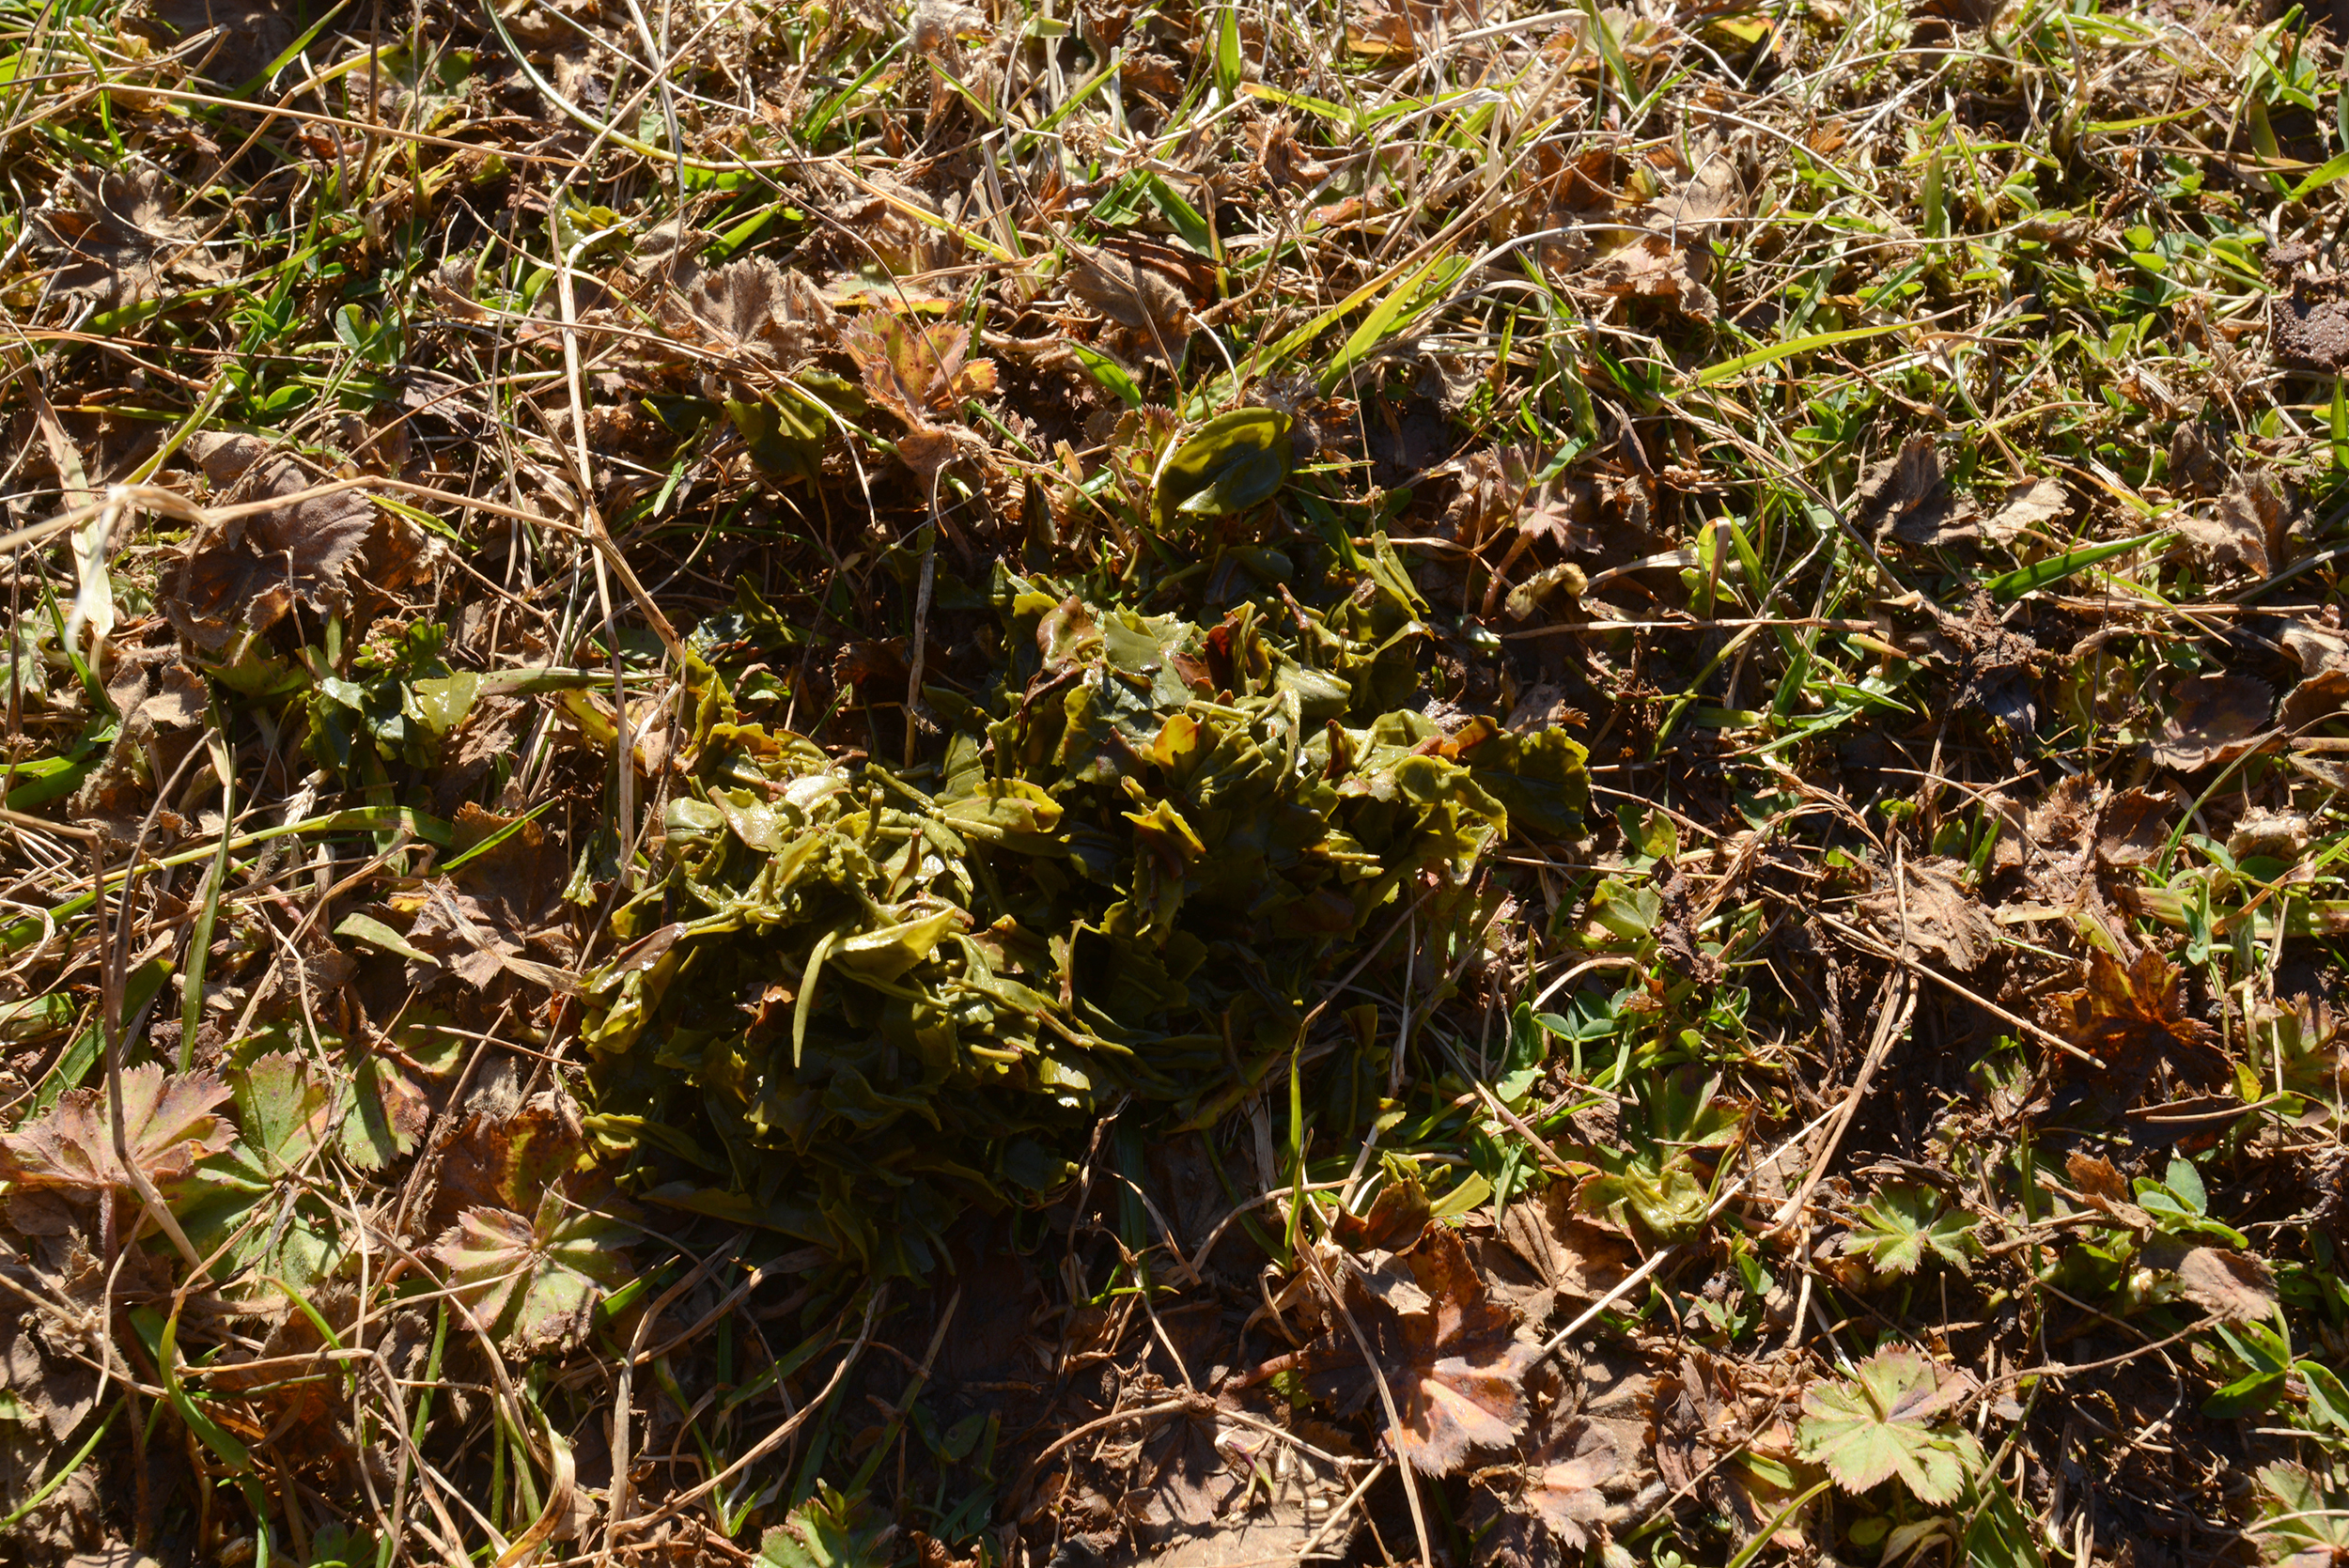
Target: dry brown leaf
2246, 527
2235, 1286
1457, 1369
2105, 1189
756, 314
2133, 1019
1907, 496
1141, 283
112, 237
2198, 460
2132, 828
917, 371
1398, 1217
2218, 718
1938, 918
1564, 1477
245, 575
2323, 687
2025, 506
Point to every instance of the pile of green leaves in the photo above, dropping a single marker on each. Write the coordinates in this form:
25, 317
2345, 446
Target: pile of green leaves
1140, 856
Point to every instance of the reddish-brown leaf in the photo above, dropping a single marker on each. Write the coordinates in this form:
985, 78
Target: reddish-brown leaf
167, 1123
1454, 1367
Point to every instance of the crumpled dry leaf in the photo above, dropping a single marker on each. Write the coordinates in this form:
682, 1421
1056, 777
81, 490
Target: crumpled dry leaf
1575, 1257
2246, 528
754, 314
2198, 459
1142, 284
1564, 1477
1455, 1368
2324, 687
1398, 1217
168, 1123
2105, 1189
112, 237
244, 576
501, 1157
1908, 496
1938, 918
50, 1390
2218, 718
1670, 258
1493, 481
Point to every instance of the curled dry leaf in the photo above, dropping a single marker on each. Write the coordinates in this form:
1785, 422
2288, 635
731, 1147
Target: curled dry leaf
1907, 496
168, 1123
2323, 687
2246, 528
1670, 257
1398, 1217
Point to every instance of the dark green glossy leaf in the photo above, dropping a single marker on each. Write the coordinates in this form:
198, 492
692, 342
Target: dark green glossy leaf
1231, 462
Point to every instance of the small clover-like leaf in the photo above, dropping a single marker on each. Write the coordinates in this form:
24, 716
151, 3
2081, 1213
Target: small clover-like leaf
1879, 1427
1897, 1226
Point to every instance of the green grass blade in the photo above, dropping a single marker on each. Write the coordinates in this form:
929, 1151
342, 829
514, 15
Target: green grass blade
2055, 568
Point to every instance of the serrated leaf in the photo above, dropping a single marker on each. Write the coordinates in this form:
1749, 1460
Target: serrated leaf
1879, 1427
535, 1282
283, 1106
168, 1123
1897, 1226
1447, 1351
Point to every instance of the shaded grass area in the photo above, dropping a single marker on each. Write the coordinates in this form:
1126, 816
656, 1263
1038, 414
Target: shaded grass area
1236, 782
